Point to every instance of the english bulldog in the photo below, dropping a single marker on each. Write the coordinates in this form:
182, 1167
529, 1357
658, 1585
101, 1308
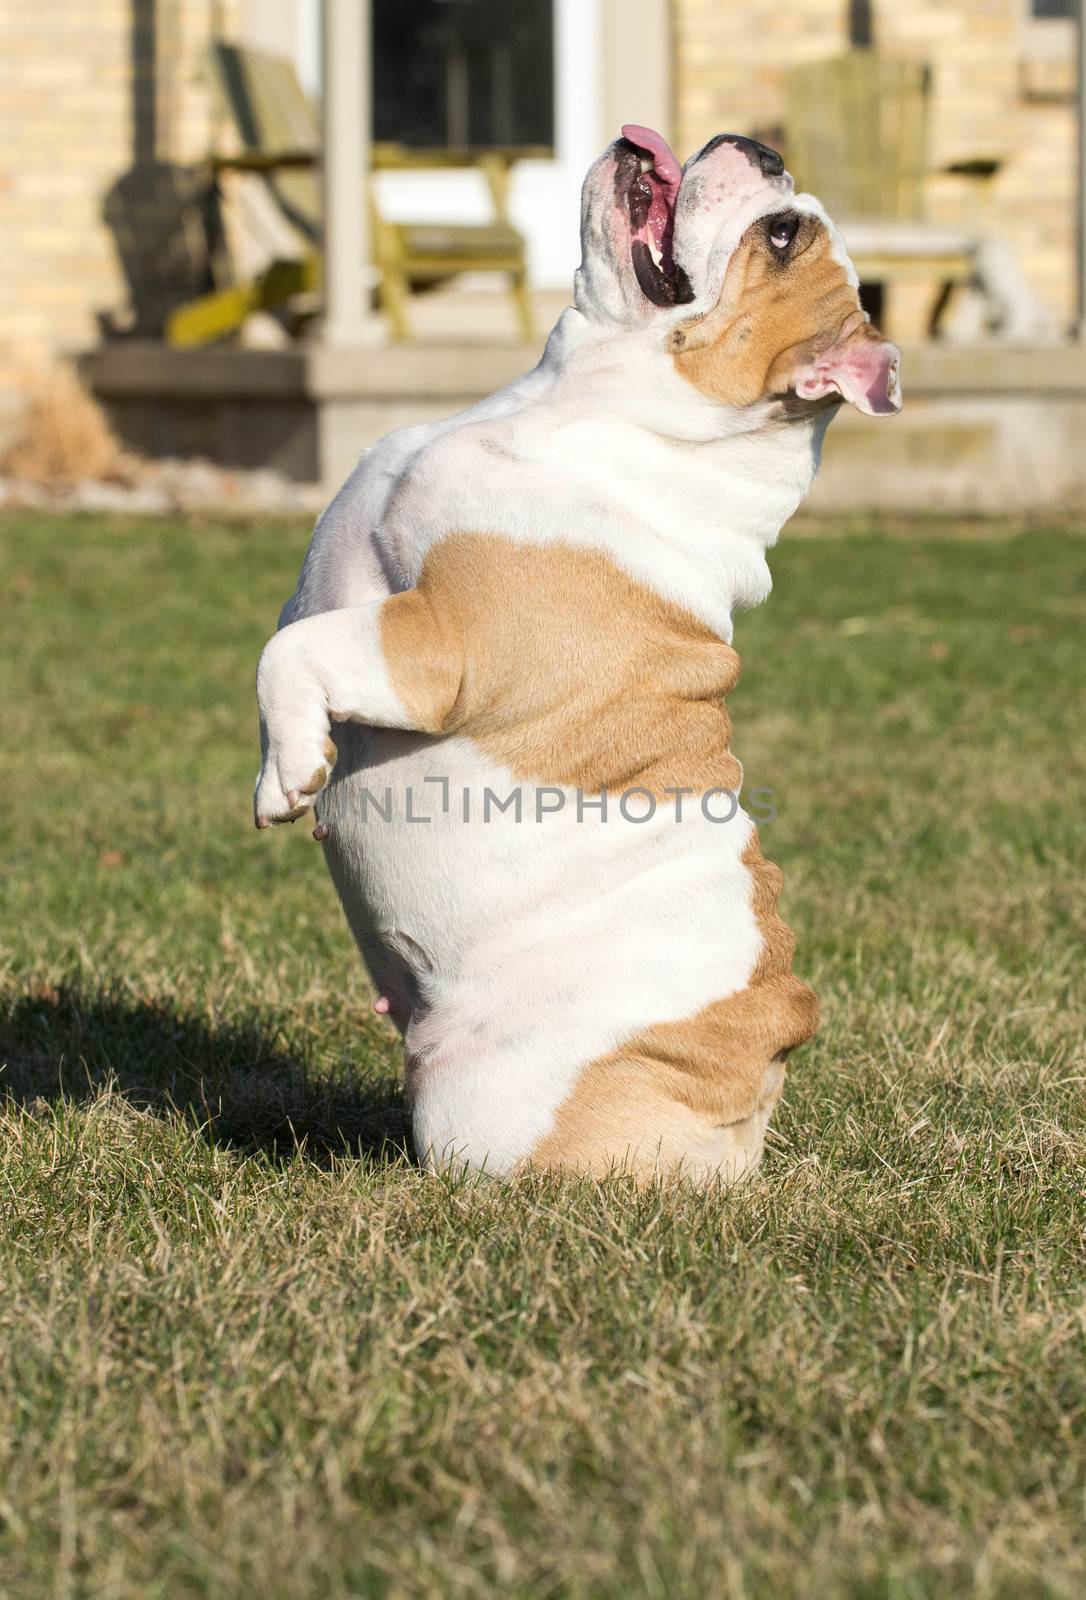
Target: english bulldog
500, 686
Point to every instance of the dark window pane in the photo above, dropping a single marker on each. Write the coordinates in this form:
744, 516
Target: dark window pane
1053, 8
861, 24
456, 72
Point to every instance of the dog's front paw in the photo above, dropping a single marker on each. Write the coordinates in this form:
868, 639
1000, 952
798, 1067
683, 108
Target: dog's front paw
292, 776
298, 754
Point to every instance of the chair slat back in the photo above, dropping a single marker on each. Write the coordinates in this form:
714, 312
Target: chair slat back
857, 134
273, 115
270, 109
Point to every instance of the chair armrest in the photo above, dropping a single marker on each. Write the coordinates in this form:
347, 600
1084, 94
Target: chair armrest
388, 157
265, 161
980, 167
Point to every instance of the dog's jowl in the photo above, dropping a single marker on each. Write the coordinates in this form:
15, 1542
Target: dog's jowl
500, 686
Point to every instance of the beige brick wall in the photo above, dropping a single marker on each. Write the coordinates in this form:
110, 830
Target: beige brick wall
984, 55
66, 135
729, 55
66, 128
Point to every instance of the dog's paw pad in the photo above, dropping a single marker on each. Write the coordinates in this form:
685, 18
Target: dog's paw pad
316, 782
292, 777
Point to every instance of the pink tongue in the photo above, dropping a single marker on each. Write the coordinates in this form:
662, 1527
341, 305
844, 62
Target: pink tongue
664, 164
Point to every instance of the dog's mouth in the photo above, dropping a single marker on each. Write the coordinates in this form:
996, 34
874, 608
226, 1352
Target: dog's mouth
647, 182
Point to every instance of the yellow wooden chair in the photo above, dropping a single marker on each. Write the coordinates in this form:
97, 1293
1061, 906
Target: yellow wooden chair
279, 137
857, 135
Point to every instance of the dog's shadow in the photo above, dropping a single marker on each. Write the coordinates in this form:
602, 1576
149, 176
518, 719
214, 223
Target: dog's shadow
237, 1083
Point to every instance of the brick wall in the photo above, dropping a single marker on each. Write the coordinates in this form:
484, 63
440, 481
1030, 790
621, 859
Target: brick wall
1002, 87
69, 119
69, 116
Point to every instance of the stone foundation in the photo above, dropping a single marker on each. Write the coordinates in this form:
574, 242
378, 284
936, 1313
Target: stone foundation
985, 428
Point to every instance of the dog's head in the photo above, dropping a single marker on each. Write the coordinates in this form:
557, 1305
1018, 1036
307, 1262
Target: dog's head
746, 284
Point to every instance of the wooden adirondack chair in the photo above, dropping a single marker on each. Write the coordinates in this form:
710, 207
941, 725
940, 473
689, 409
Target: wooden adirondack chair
857, 135
278, 129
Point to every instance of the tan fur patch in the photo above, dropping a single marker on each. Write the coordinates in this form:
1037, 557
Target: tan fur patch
771, 317
562, 668
424, 652
320, 777
653, 1101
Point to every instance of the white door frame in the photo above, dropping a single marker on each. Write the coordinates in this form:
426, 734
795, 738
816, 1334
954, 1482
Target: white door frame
592, 84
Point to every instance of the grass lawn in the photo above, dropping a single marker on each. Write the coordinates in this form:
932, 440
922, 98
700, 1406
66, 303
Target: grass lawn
249, 1350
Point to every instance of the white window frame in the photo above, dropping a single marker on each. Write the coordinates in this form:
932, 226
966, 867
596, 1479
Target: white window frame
1046, 38
544, 196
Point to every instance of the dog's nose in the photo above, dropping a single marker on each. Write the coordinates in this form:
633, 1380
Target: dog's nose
770, 161
767, 161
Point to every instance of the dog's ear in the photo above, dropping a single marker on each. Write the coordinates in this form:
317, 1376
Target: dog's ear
864, 368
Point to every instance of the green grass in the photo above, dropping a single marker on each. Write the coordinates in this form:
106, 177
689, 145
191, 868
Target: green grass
248, 1349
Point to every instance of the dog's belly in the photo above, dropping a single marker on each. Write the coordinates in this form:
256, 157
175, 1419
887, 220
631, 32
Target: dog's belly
525, 949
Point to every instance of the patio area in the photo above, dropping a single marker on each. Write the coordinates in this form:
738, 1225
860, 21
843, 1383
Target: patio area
991, 422
985, 428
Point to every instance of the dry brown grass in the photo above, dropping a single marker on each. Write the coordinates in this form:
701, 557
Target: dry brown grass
65, 438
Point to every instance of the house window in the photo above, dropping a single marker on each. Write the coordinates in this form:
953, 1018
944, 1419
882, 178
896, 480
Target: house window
861, 25
463, 72
1046, 65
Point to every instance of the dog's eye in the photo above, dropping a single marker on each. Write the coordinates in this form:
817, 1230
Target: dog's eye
782, 230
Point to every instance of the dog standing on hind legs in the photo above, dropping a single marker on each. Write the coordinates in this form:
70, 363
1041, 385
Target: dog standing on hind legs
500, 686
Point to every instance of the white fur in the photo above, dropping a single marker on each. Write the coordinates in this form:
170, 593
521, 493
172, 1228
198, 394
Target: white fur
522, 951
320, 669
526, 948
